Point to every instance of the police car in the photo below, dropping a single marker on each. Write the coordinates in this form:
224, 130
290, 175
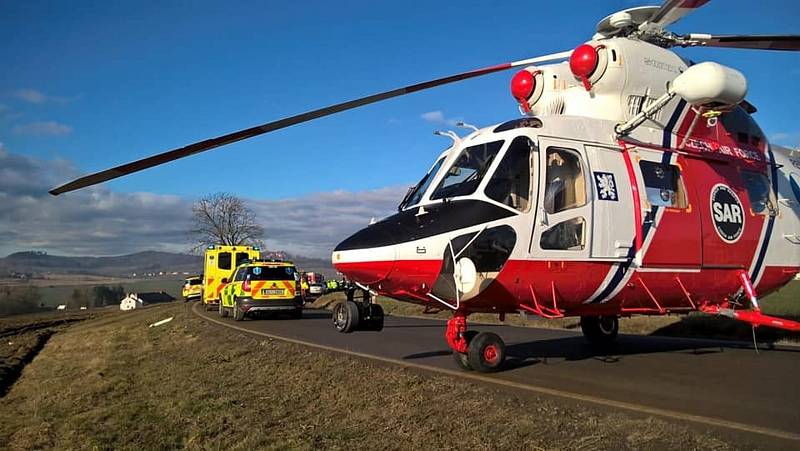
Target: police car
262, 287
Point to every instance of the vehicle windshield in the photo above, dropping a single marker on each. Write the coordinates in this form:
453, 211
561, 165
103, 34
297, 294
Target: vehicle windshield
414, 195
466, 173
271, 273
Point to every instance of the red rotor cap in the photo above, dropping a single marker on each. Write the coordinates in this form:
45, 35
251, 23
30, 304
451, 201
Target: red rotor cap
583, 63
583, 60
522, 86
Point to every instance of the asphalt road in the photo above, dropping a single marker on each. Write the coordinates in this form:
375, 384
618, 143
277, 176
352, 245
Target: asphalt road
707, 382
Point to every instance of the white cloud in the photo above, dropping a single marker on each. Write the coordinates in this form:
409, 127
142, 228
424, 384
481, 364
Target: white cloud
433, 116
42, 128
313, 224
37, 97
97, 221
30, 95
438, 117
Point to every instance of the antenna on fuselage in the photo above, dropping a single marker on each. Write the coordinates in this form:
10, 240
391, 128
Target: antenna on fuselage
463, 124
449, 133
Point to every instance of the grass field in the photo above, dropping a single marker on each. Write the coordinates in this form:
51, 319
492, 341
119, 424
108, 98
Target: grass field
112, 382
53, 295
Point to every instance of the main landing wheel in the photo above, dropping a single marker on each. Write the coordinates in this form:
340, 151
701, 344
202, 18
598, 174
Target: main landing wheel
486, 352
600, 330
372, 318
346, 317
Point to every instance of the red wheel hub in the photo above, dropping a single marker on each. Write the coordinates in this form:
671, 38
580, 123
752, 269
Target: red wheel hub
491, 354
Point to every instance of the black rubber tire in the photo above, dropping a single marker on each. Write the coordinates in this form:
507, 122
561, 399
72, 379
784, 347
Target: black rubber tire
223, 312
600, 330
462, 360
346, 317
375, 321
238, 314
486, 352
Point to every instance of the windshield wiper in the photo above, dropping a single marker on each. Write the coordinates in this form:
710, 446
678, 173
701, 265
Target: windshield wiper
409, 193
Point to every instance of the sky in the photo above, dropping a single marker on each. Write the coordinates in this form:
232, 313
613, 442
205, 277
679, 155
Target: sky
91, 84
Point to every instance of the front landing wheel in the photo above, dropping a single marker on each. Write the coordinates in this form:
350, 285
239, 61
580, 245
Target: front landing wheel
600, 330
346, 317
462, 360
486, 352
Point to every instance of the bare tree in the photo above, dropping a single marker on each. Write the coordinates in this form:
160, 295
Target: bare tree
223, 218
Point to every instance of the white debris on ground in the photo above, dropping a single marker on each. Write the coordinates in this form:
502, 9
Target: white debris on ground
163, 321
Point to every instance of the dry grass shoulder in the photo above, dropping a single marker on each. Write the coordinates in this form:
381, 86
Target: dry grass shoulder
23, 336
115, 383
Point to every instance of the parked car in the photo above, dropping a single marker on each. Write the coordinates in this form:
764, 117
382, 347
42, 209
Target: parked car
316, 289
192, 288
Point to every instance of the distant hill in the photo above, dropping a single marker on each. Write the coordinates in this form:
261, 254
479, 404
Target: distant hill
37, 264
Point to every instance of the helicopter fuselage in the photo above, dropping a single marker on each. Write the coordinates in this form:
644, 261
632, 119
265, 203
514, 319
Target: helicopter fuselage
555, 215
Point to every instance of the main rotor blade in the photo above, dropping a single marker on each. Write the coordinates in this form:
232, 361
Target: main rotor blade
202, 146
766, 42
672, 11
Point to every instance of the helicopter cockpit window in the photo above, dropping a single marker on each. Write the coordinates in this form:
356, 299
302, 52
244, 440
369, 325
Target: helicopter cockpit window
415, 195
759, 192
464, 176
663, 184
565, 184
511, 182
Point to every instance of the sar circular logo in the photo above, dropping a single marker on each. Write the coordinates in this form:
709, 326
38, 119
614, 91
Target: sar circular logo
727, 213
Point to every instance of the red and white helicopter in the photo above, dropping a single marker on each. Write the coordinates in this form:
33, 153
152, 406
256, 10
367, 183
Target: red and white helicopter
635, 182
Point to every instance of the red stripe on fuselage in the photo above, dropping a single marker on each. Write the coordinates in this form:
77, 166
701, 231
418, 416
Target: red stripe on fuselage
567, 285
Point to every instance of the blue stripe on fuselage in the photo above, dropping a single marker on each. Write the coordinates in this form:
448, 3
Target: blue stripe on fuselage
770, 222
622, 268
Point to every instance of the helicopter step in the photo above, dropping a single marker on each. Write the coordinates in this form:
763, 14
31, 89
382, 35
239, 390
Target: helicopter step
358, 312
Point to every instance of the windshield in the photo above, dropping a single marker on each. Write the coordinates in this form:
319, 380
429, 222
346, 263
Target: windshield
414, 196
467, 172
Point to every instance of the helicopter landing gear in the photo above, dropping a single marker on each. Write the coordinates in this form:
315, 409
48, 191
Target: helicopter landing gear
358, 312
484, 352
600, 330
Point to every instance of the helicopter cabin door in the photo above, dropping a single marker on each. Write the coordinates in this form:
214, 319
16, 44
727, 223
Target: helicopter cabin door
563, 226
613, 229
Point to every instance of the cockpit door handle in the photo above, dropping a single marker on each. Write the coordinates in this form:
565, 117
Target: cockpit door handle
543, 217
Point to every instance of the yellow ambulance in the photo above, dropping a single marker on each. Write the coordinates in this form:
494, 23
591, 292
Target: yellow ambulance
220, 264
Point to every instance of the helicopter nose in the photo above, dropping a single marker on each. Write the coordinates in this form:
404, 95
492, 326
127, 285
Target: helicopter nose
367, 266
